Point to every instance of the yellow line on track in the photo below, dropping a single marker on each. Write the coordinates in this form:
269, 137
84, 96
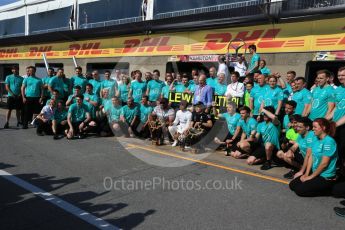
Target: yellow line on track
132, 146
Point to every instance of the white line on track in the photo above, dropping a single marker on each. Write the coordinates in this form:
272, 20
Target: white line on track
81, 214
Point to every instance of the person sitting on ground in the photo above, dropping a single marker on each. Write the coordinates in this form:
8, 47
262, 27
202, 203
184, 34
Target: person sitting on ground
320, 174
299, 152
44, 119
129, 117
166, 116
114, 113
247, 143
78, 118
232, 118
59, 122
72, 98
200, 125
267, 135
145, 111
181, 123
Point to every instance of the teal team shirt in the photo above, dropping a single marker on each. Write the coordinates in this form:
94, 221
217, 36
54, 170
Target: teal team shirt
110, 85
14, 82
269, 133
211, 82
339, 99
305, 142
166, 91
60, 116
123, 91
138, 89
181, 88
219, 89
92, 108
248, 126
56, 83
79, 80
232, 121
107, 103
145, 111
96, 86
129, 113
78, 112
287, 90
192, 87
155, 89
66, 85
265, 71
320, 99
326, 147
46, 80
258, 94
255, 58
33, 86
286, 122
114, 113
302, 98
273, 96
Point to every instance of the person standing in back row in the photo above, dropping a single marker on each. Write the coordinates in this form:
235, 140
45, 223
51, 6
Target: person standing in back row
32, 94
254, 61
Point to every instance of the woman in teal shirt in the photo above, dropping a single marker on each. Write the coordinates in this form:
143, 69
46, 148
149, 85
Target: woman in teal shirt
274, 95
321, 169
123, 90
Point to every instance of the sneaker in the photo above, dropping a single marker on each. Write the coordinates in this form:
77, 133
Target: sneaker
19, 124
39, 134
6, 126
25, 127
290, 174
339, 211
266, 166
55, 137
81, 136
174, 144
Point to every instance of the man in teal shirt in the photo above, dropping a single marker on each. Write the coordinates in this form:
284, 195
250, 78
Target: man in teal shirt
257, 95
78, 118
109, 84
91, 100
96, 83
46, 80
138, 87
145, 111
302, 97
129, 117
154, 88
254, 61
212, 78
166, 89
78, 79
13, 84
56, 83
32, 94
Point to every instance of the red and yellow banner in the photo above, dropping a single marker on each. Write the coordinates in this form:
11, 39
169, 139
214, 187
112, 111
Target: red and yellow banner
319, 35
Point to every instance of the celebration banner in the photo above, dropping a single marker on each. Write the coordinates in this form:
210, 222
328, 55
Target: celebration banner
307, 36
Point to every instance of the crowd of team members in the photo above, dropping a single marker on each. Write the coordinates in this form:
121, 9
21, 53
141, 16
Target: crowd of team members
275, 121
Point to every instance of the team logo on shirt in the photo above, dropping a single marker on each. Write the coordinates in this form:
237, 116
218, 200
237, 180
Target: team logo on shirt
316, 103
341, 104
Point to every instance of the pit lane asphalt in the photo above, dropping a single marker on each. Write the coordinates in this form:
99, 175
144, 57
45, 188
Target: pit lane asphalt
75, 172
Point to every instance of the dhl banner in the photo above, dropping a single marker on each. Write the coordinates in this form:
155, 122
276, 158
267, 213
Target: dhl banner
317, 35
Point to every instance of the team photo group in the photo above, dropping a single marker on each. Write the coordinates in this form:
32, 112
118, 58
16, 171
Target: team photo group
272, 119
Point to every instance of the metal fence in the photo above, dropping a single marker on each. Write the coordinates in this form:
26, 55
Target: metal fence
294, 5
50, 30
110, 23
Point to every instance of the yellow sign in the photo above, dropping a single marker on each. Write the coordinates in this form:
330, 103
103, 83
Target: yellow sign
317, 35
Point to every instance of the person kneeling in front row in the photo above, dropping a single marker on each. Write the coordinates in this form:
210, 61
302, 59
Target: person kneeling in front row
320, 174
44, 119
78, 118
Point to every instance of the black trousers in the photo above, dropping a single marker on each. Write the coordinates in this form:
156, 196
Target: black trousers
317, 186
44, 127
340, 139
31, 106
339, 190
